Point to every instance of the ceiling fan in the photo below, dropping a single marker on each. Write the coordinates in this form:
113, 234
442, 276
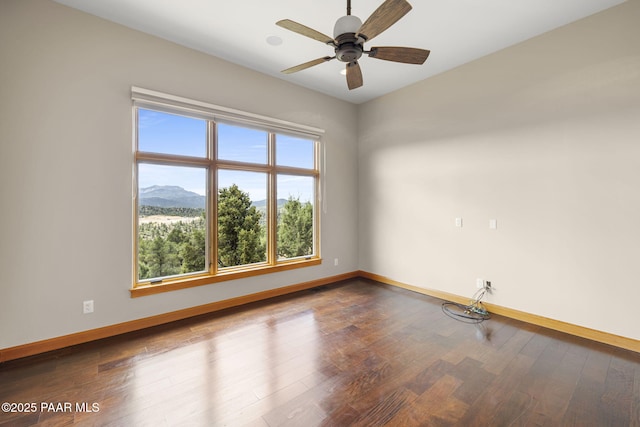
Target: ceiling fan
349, 36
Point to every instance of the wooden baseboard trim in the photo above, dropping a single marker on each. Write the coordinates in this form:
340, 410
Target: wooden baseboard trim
557, 325
57, 343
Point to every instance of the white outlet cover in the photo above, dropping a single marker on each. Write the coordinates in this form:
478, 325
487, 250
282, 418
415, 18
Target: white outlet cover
87, 307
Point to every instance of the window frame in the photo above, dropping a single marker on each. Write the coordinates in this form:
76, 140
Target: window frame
213, 114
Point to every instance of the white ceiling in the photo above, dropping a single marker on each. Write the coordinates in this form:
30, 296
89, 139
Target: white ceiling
456, 32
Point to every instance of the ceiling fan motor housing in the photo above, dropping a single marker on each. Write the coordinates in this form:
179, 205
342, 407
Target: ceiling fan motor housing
348, 49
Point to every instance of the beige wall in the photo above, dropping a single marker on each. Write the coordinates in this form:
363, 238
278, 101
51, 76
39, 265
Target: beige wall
65, 166
544, 137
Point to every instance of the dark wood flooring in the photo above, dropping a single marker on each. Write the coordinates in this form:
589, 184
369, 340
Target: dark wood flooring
356, 353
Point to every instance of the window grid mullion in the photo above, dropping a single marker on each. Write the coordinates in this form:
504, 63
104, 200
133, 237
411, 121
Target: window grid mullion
170, 159
272, 199
212, 193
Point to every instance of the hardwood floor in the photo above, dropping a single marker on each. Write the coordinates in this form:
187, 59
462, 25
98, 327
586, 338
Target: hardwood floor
356, 353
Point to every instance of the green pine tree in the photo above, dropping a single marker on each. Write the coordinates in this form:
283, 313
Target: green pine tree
193, 252
162, 258
295, 229
239, 229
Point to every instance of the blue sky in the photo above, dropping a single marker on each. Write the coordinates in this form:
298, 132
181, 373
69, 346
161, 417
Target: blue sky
179, 135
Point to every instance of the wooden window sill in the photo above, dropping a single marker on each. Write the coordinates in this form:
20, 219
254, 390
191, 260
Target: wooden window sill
169, 285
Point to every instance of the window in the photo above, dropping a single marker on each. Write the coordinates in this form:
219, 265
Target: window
220, 194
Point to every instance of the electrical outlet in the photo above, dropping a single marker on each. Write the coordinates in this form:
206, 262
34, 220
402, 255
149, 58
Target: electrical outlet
335, 262
87, 307
479, 283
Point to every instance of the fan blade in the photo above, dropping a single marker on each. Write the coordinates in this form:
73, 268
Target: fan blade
354, 75
387, 14
304, 30
406, 55
307, 65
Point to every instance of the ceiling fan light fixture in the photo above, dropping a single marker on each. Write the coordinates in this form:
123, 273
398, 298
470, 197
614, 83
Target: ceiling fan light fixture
346, 24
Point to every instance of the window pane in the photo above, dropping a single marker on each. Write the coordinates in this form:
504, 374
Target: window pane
242, 144
242, 235
295, 216
172, 233
296, 152
166, 133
